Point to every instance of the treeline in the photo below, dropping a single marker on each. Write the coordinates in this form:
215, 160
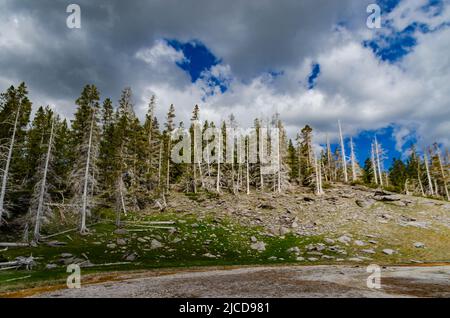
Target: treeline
53, 171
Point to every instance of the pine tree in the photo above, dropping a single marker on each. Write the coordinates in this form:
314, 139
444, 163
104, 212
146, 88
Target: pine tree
86, 136
15, 109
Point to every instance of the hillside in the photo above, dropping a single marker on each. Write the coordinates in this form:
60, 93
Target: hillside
346, 225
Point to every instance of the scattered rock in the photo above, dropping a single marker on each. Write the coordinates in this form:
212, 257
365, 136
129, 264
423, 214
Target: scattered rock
294, 249
344, 239
66, 255
111, 246
355, 259
359, 243
313, 259
51, 266
368, 251
209, 255
253, 239
141, 240
365, 203
121, 232
130, 257
259, 246
419, 245
388, 251
121, 241
300, 259
155, 244
329, 241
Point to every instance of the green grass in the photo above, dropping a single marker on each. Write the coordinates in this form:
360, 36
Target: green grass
186, 247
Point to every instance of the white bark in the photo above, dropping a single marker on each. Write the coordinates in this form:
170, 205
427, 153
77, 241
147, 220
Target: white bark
247, 167
160, 163
219, 156
430, 184
344, 161
377, 153
353, 159
279, 163
442, 173
37, 224
374, 166
6, 170
86, 177
418, 178
329, 158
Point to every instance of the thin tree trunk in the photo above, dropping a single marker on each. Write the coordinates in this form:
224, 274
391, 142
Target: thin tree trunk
377, 153
329, 158
279, 163
430, 184
219, 155
37, 224
6, 170
344, 161
86, 177
443, 173
160, 164
247, 167
418, 178
374, 166
352, 157
168, 164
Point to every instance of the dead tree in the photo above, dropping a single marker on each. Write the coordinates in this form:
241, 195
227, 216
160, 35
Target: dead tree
7, 166
374, 165
377, 154
427, 168
43, 187
344, 160
353, 160
444, 178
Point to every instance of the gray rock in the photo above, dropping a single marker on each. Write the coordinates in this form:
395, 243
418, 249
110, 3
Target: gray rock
294, 249
155, 244
344, 239
254, 239
359, 243
66, 255
111, 245
209, 255
121, 241
130, 257
51, 266
355, 259
365, 203
388, 251
300, 259
419, 245
368, 251
313, 259
141, 240
259, 246
121, 231
329, 241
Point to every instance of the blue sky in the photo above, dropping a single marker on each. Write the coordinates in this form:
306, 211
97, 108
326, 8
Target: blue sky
390, 48
314, 62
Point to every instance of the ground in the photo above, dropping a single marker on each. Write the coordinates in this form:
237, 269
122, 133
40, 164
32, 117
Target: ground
261, 282
348, 226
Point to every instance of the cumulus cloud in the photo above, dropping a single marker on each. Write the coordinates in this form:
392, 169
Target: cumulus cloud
265, 51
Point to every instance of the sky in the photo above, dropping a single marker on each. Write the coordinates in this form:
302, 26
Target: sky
312, 61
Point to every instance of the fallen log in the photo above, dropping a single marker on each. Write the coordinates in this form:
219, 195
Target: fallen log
6, 244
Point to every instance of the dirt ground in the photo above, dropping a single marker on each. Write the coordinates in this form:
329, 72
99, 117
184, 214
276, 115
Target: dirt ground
284, 281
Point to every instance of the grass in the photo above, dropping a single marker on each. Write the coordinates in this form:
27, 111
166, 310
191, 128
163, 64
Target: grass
196, 238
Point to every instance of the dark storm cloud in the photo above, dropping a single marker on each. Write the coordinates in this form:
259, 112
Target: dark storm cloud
250, 36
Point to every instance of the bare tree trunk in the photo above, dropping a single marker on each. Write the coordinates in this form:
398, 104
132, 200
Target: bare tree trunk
353, 160
207, 160
86, 177
344, 161
374, 166
219, 155
430, 184
329, 158
377, 153
160, 164
247, 166
37, 224
279, 163
442, 173
169, 143
418, 178
6, 170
